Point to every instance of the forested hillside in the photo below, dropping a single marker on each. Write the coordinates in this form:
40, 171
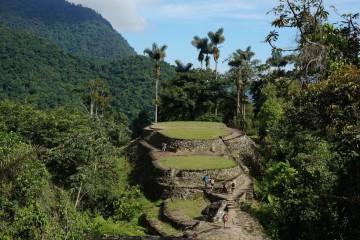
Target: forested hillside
34, 69
62, 176
72, 27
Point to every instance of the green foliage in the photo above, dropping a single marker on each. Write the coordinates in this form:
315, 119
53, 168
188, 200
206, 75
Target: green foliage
311, 150
33, 209
39, 72
320, 44
140, 122
105, 228
53, 191
193, 95
73, 28
129, 205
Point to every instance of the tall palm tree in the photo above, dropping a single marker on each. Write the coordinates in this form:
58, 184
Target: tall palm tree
216, 39
157, 54
240, 60
207, 49
180, 67
201, 45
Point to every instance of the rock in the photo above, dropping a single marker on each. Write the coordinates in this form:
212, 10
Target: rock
214, 211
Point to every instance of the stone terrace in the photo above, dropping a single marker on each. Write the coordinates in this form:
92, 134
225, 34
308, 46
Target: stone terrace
183, 184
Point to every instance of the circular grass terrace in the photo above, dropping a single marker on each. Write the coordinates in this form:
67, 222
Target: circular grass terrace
197, 162
192, 130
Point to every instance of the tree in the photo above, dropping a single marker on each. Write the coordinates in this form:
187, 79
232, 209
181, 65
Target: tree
243, 69
95, 97
199, 43
204, 48
180, 67
216, 39
319, 44
157, 54
315, 135
191, 95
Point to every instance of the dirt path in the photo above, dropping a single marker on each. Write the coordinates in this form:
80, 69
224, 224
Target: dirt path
240, 225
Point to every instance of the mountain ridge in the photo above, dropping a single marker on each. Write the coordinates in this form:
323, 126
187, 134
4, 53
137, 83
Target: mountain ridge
74, 28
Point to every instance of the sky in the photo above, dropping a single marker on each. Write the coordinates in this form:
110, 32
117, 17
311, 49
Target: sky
175, 22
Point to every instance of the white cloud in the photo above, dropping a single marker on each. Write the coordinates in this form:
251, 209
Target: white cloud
134, 15
122, 14
206, 9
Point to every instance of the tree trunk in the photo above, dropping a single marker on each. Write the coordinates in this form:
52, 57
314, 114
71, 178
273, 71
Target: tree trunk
92, 107
156, 100
216, 73
157, 73
78, 197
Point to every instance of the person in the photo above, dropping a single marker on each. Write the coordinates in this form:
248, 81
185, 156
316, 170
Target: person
225, 218
212, 183
232, 186
206, 179
163, 147
224, 189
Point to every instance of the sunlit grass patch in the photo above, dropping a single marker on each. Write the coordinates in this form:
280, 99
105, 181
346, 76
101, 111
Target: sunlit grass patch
190, 208
197, 162
192, 130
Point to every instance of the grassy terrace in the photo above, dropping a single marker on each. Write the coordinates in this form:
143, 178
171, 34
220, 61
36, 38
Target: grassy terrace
190, 208
192, 130
197, 162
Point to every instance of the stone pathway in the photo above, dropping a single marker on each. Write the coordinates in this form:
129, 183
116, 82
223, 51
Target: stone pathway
241, 225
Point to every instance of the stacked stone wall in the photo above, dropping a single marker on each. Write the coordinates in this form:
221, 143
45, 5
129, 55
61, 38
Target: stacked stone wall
188, 176
244, 151
187, 145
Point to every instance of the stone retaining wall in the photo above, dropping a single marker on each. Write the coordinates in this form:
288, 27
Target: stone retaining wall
186, 145
193, 176
182, 192
244, 151
172, 183
164, 182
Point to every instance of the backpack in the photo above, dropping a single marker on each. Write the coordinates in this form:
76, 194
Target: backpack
225, 217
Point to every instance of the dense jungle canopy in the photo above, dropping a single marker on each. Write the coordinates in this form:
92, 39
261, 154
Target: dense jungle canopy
74, 94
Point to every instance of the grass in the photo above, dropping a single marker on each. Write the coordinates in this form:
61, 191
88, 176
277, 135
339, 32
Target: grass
197, 162
166, 227
190, 208
192, 130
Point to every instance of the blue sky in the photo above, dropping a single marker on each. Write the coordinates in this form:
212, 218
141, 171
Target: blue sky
176, 22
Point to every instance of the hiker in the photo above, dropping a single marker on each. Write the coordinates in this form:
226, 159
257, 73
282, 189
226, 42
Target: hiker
206, 180
232, 186
224, 189
225, 218
212, 183
163, 147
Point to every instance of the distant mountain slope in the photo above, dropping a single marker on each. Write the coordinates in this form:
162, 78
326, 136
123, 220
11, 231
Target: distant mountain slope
31, 67
72, 27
